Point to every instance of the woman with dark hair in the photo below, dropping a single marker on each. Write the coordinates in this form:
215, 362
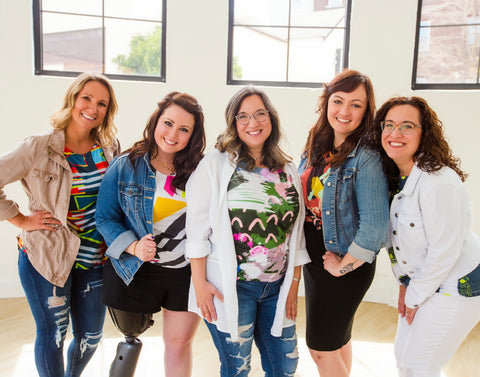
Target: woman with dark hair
61, 252
245, 240
141, 214
434, 253
346, 223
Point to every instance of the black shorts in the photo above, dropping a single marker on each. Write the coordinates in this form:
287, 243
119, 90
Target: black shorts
154, 287
330, 302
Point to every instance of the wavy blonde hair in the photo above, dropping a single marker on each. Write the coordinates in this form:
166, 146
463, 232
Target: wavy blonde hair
105, 132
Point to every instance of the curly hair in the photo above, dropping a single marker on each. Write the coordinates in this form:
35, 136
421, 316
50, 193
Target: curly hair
433, 152
187, 159
105, 132
272, 155
321, 136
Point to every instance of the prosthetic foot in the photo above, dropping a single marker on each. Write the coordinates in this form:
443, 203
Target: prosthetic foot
126, 358
131, 325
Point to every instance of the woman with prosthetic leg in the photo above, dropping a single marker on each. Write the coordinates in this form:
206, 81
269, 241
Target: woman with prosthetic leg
142, 217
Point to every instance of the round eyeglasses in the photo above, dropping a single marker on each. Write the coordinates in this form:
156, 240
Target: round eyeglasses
259, 116
405, 128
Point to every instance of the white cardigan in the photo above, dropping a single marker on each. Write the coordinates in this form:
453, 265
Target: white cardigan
209, 234
431, 234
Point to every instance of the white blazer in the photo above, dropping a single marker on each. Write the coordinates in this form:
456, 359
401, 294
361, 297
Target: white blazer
209, 234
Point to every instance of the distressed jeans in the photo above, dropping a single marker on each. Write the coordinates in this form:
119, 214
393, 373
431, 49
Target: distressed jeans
257, 302
52, 307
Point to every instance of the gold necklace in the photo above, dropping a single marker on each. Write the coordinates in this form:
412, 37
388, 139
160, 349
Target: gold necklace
163, 164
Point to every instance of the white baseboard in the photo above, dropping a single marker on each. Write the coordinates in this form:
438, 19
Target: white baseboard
384, 290
11, 288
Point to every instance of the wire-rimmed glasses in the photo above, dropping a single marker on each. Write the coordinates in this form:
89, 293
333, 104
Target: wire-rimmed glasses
405, 128
259, 116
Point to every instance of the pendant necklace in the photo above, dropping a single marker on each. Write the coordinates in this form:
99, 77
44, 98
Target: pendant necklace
165, 165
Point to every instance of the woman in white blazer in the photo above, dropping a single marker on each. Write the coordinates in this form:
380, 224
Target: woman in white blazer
434, 253
245, 240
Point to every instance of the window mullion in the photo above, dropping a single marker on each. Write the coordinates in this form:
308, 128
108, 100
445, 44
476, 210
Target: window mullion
288, 38
103, 36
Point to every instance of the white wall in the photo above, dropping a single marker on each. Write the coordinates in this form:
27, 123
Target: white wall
382, 42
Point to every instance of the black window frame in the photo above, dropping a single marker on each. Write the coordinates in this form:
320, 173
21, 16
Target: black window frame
231, 25
38, 48
436, 86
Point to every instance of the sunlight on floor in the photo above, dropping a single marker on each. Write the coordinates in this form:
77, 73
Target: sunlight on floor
370, 359
373, 336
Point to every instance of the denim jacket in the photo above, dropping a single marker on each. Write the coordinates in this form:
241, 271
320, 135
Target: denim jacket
355, 205
125, 210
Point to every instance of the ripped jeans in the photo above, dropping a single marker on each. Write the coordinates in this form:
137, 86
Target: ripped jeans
52, 307
257, 303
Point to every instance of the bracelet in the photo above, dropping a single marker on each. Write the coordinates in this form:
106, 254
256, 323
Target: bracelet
134, 247
296, 279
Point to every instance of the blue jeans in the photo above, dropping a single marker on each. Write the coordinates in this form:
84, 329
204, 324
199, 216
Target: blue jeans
257, 303
52, 307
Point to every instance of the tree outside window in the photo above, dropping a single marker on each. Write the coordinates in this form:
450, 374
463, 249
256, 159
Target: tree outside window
120, 38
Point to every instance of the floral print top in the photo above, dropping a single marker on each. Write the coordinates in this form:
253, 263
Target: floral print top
313, 179
263, 207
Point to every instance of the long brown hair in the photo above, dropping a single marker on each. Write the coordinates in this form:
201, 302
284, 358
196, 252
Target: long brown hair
188, 158
272, 155
321, 136
105, 132
433, 152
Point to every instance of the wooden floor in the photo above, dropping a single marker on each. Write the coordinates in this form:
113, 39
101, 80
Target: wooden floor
373, 336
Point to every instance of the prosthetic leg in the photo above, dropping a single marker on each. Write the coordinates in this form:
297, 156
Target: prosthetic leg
131, 325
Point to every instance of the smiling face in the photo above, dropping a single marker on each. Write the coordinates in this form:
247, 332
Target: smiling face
401, 148
254, 133
90, 106
345, 112
173, 131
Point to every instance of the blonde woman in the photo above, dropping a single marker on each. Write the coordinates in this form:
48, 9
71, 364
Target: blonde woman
61, 253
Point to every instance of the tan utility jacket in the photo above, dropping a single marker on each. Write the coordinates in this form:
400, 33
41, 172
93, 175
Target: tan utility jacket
39, 163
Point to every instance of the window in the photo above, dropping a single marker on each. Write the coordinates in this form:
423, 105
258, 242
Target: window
287, 42
121, 38
447, 45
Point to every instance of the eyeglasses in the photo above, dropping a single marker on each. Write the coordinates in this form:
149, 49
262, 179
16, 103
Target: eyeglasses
405, 128
259, 116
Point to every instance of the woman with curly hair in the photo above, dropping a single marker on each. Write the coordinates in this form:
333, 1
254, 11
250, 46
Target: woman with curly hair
434, 253
346, 222
141, 214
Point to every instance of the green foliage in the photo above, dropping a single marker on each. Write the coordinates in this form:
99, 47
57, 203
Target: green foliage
236, 69
144, 57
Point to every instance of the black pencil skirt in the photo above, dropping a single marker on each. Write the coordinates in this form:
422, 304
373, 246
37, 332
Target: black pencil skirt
331, 302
